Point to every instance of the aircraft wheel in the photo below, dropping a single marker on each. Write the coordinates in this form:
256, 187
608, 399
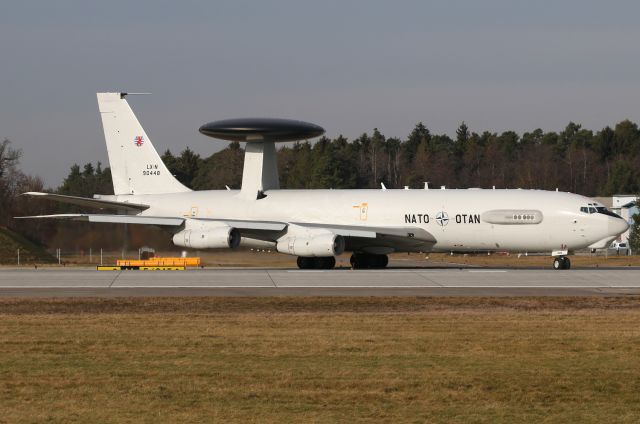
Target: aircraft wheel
561, 262
316, 263
328, 263
323, 262
364, 261
357, 261
381, 261
305, 263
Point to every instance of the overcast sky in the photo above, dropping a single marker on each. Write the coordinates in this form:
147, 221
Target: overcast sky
348, 66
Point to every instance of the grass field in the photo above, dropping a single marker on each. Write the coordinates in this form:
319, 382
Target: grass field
534, 261
11, 241
459, 360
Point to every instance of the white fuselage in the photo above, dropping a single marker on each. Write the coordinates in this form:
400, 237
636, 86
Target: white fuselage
460, 220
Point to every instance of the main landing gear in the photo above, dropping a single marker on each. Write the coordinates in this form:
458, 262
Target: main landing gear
358, 261
368, 261
327, 262
561, 262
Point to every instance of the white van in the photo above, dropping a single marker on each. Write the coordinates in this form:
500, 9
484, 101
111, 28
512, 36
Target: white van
619, 248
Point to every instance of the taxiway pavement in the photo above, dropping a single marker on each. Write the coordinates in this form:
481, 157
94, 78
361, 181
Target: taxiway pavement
74, 282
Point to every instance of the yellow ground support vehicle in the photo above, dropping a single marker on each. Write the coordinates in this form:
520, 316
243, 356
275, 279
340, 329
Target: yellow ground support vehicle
157, 261
153, 264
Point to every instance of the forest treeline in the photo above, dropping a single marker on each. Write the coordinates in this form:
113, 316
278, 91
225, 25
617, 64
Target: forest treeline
576, 159
13, 182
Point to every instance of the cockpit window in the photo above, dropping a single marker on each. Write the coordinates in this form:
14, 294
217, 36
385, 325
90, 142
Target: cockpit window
605, 211
588, 209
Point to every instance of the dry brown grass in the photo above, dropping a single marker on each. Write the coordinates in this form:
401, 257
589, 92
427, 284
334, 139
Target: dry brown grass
515, 261
320, 360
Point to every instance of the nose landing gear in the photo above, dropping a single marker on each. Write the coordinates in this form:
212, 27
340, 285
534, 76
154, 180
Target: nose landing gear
561, 262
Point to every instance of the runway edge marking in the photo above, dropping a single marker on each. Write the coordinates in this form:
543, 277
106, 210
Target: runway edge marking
433, 286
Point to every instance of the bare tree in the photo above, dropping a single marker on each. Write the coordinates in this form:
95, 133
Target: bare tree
9, 156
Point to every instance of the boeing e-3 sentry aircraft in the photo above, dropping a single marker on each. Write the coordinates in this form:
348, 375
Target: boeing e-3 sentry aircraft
317, 225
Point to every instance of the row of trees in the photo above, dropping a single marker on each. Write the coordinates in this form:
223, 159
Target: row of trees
575, 159
13, 182
74, 236
597, 163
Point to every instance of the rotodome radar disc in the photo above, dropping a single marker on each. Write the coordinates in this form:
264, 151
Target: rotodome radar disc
258, 129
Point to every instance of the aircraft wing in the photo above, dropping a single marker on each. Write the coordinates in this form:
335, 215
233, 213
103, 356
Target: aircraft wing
93, 203
412, 238
259, 230
415, 233
247, 227
356, 237
240, 224
360, 237
114, 219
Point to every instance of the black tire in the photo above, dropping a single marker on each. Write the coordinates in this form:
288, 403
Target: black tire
305, 263
329, 262
357, 261
319, 263
558, 263
365, 261
561, 262
381, 261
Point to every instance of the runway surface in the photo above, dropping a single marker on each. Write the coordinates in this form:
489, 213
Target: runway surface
57, 282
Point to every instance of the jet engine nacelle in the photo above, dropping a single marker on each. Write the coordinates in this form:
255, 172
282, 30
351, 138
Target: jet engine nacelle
214, 238
327, 244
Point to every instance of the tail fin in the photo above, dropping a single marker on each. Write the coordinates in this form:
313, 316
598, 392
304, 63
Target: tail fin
136, 167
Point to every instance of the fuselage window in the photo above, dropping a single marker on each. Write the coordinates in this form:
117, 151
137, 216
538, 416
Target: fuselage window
525, 217
584, 209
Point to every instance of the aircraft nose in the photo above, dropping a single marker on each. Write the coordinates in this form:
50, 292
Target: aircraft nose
617, 226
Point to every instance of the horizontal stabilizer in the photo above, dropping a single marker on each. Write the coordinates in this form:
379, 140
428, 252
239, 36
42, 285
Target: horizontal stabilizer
114, 219
92, 203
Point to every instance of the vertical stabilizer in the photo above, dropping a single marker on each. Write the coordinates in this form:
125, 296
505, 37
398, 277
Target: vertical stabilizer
136, 167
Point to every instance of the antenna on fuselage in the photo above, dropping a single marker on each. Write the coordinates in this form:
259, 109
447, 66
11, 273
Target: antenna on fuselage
123, 95
260, 172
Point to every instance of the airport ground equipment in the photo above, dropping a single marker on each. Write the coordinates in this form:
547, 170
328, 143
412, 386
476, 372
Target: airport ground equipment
160, 261
139, 268
153, 264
